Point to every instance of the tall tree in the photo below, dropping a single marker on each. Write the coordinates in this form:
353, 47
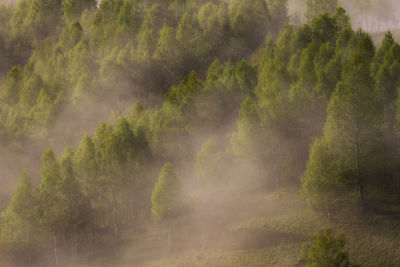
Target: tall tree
20, 221
165, 197
76, 206
51, 210
354, 124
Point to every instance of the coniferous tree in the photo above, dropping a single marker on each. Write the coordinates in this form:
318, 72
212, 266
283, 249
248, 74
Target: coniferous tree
354, 125
76, 206
19, 227
51, 209
165, 197
326, 249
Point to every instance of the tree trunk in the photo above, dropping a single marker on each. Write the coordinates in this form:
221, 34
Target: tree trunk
359, 179
55, 248
94, 236
29, 246
277, 178
75, 246
169, 234
91, 240
169, 238
115, 219
64, 239
357, 164
328, 212
361, 189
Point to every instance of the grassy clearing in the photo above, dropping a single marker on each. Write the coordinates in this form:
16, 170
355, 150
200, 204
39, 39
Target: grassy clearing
264, 230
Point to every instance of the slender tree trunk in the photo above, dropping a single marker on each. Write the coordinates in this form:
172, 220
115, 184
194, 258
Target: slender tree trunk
91, 240
107, 212
360, 181
94, 235
328, 212
359, 176
75, 246
278, 168
75, 239
277, 178
115, 219
169, 234
169, 238
64, 239
72, 252
29, 246
55, 248
361, 189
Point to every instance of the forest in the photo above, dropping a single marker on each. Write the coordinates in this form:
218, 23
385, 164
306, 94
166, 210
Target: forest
199, 133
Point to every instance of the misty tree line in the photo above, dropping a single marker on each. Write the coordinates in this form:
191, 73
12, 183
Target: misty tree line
376, 15
104, 186
66, 52
371, 15
321, 85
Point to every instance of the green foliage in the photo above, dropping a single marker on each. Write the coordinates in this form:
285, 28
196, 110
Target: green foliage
249, 20
318, 91
23, 202
20, 230
247, 140
165, 195
49, 190
73, 52
13, 85
167, 46
86, 166
75, 204
326, 249
352, 133
320, 179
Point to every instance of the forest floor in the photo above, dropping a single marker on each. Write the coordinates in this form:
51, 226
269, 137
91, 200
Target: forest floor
262, 230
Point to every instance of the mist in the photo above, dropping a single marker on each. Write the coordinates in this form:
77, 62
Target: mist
197, 133
371, 16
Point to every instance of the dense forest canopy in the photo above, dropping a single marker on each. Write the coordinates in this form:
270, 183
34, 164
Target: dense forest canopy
162, 114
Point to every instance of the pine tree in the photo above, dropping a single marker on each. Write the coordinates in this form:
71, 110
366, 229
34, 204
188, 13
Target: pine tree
326, 249
165, 197
51, 209
86, 167
165, 194
167, 50
76, 207
353, 129
320, 178
11, 90
19, 226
